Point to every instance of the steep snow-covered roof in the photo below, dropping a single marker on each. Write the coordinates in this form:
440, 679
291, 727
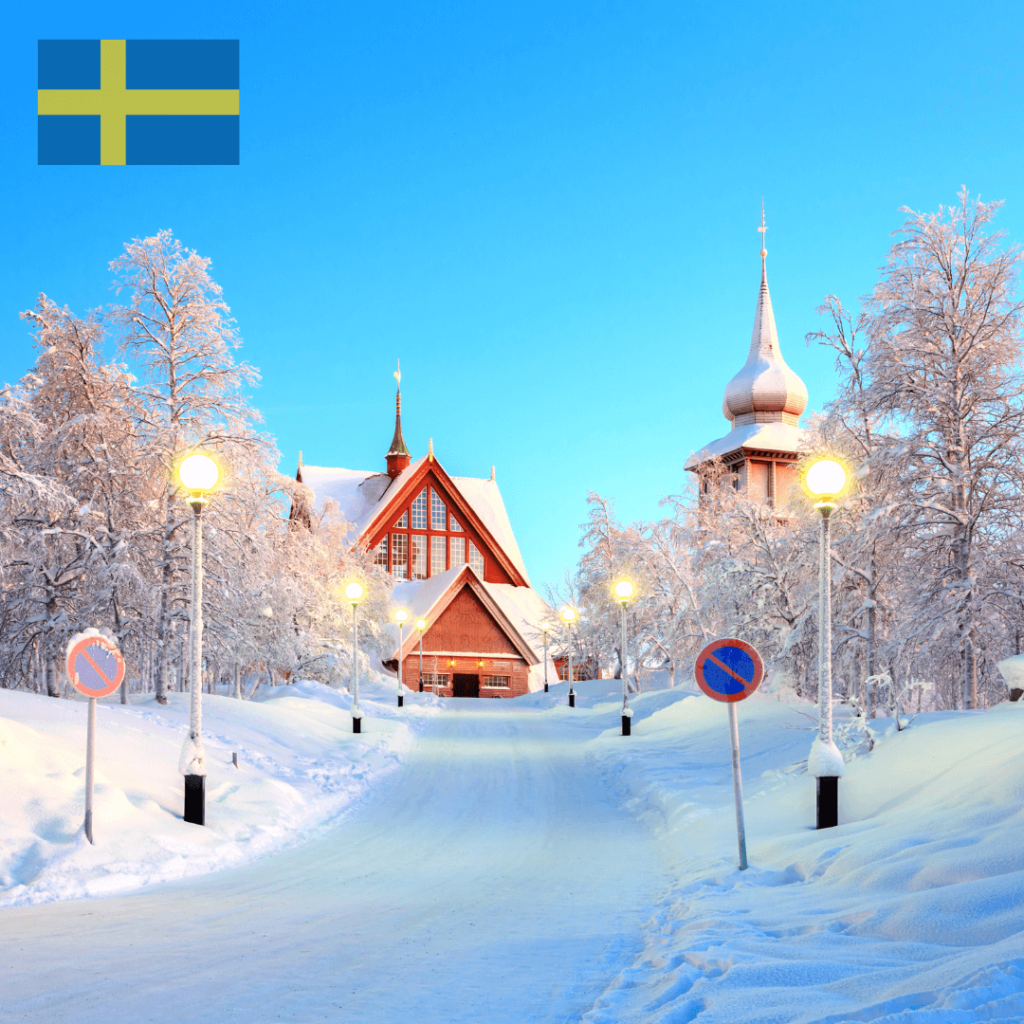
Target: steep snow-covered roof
486, 501
775, 437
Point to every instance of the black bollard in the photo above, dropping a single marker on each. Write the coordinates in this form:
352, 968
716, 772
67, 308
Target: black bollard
625, 725
401, 698
195, 799
828, 801
572, 699
357, 725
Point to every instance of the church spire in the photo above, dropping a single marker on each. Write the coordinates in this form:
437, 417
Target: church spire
766, 390
398, 456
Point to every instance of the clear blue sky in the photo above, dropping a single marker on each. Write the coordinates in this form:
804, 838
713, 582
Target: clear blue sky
547, 210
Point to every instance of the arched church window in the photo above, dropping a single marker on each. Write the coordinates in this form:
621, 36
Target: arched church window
476, 560
419, 511
400, 556
458, 551
438, 511
418, 556
438, 555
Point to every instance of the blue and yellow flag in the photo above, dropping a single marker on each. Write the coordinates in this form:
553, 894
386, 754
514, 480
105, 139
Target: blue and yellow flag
138, 101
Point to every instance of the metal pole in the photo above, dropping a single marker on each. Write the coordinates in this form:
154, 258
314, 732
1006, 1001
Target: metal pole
357, 722
626, 717
572, 692
545, 661
90, 756
421, 667
737, 785
401, 629
195, 781
828, 786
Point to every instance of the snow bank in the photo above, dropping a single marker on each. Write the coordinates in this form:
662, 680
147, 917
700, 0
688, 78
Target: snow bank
300, 766
911, 910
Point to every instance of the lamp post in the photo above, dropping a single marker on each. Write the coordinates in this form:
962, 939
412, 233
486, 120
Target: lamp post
623, 592
825, 480
401, 615
198, 474
545, 628
421, 625
354, 592
569, 617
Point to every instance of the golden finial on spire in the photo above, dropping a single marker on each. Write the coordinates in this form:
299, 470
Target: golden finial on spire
398, 373
762, 229
430, 451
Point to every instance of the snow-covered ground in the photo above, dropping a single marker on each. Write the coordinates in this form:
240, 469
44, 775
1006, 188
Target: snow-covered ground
525, 862
299, 766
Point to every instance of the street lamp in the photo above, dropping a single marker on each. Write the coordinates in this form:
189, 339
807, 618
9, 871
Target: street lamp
401, 615
569, 617
545, 628
354, 592
825, 480
198, 474
623, 592
421, 625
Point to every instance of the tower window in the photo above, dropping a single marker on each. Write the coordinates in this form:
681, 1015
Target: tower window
419, 511
438, 511
476, 560
437, 555
458, 551
418, 562
400, 556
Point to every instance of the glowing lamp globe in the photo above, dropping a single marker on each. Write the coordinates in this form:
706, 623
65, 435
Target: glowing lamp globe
623, 590
569, 614
826, 478
198, 473
401, 615
421, 624
545, 626
354, 591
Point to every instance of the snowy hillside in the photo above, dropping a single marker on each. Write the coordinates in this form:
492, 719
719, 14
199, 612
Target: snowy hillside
524, 862
299, 767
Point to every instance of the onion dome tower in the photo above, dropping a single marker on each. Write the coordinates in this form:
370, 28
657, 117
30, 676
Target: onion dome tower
398, 456
763, 402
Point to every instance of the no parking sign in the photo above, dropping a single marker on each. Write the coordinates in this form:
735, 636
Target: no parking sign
95, 667
730, 670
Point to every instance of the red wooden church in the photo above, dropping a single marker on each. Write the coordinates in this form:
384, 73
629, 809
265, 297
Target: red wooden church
449, 544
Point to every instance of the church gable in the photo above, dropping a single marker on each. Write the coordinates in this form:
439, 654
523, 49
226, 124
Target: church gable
428, 527
466, 625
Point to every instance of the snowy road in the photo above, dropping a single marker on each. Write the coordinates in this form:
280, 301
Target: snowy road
491, 879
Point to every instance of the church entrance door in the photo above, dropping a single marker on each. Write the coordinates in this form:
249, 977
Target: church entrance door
465, 686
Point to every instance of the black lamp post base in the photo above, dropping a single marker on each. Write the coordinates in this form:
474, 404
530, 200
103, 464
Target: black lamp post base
421, 686
195, 799
828, 802
626, 720
401, 699
357, 725
545, 687
572, 699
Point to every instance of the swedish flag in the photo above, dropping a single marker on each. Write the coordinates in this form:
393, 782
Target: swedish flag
138, 101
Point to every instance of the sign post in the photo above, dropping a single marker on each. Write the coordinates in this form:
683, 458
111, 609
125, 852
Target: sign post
731, 670
96, 668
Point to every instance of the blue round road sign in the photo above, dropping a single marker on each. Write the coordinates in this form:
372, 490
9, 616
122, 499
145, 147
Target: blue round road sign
729, 670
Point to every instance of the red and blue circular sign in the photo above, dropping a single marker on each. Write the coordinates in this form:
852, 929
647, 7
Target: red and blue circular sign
729, 670
94, 665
